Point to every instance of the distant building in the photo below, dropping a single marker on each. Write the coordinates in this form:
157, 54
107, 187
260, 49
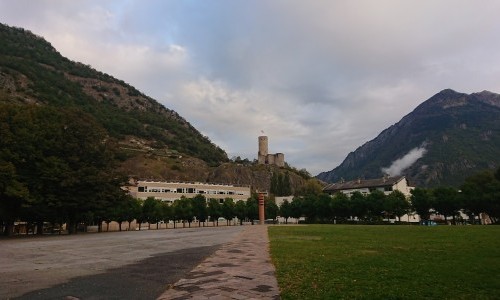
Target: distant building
171, 191
264, 158
280, 199
365, 186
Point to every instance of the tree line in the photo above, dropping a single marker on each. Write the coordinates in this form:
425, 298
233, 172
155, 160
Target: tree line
479, 193
56, 165
187, 210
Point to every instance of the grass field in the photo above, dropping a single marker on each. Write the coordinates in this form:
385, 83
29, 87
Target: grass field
387, 262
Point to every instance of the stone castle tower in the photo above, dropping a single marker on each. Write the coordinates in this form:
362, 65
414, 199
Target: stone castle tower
264, 158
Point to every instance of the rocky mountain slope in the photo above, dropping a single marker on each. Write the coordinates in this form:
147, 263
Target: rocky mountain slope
33, 72
152, 141
445, 139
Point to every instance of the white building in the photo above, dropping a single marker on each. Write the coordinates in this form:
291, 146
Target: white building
365, 186
171, 191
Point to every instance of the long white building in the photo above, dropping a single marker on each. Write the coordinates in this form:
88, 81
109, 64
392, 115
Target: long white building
366, 186
171, 191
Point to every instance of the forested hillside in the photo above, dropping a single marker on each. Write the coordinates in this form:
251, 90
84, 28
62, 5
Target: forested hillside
72, 136
33, 72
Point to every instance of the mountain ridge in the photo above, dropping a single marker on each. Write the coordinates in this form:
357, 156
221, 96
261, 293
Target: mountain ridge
151, 141
438, 125
32, 71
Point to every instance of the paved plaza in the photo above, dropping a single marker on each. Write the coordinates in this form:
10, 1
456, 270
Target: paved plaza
240, 269
196, 263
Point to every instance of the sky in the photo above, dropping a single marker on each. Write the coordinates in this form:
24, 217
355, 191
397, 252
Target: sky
319, 78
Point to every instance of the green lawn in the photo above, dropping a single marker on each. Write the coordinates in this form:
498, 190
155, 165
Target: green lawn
387, 262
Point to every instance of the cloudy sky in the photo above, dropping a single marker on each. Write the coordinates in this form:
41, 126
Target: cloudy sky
320, 78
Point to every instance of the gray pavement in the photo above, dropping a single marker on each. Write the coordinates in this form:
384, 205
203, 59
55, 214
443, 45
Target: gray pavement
197, 263
241, 269
118, 265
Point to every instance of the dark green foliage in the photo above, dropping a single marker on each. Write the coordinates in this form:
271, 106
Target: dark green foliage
340, 207
228, 211
152, 210
285, 210
50, 82
55, 166
270, 209
280, 184
446, 201
421, 201
481, 194
214, 210
396, 205
252, 208
199, 205
240, 210
127, 210
183, 210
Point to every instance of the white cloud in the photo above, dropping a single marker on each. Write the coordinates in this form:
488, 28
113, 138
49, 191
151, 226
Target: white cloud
319, 77
403, 163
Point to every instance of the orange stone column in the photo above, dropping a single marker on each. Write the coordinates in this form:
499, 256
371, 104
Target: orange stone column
261, 209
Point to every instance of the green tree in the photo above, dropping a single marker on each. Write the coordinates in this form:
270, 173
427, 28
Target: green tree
312, 186
285, 210
200, 211
287, 185
214, 210
240, 210
323, 207
228, 209
359, 205
133, 211
63, 157
274, 184
421, 202
127, 210
296, 207
375, 201
396, 204
183, 210
340, 207
13, 194
446, 202
252, 208
152, 211
308, 207
481, 194
270, 209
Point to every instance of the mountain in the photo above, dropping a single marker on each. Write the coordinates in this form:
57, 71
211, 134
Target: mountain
445, 139
33, 72
150, 141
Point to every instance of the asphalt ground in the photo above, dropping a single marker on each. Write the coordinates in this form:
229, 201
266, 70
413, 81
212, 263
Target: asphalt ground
118, 265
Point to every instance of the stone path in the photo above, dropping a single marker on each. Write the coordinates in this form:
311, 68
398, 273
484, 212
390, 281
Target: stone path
240, 269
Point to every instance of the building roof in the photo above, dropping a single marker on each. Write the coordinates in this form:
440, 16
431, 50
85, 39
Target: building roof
363, 183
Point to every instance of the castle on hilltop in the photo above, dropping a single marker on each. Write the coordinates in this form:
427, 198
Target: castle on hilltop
265, 158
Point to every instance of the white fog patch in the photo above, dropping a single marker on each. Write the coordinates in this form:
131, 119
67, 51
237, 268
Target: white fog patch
397, 166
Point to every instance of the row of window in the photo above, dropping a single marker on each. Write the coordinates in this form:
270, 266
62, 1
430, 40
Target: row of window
170, 201
145, 189
365, 192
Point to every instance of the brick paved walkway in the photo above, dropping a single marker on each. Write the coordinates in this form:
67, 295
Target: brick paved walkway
240, 269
